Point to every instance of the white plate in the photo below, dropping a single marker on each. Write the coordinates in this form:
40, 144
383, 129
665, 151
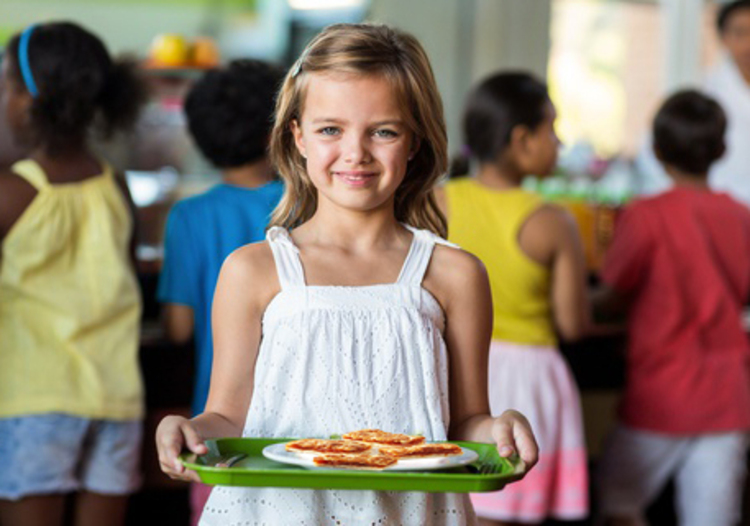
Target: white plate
278, 453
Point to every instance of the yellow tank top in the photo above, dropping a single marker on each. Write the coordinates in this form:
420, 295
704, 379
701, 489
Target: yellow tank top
487, 222
69, 303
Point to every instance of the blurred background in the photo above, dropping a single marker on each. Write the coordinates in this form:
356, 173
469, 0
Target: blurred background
608, 64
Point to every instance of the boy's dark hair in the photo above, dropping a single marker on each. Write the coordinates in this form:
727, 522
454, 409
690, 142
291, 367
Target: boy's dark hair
230, 112
727, 11
78, 84
494, 108
689, 132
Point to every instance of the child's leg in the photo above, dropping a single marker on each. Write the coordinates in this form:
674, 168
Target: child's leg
710, 482
47, 510
199, 494
633, 468
39, 455
93, 509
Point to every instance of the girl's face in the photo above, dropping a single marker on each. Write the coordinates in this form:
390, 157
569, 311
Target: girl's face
540, 147
354, 139
736, 38
15, 101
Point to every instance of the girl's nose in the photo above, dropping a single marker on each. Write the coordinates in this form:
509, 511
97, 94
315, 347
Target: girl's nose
357, 151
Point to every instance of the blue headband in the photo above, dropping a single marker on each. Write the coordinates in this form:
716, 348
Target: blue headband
23, 60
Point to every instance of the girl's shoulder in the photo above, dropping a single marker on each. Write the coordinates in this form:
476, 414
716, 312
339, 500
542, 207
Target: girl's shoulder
252, 268
451, 261
551, 221
548, 231
452, 272
256, 258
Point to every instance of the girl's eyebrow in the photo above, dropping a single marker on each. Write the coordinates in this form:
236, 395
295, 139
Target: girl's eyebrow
333, 120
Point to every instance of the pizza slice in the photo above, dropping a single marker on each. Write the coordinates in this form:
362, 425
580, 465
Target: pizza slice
376, 436
358, 461
318, 445
421, 450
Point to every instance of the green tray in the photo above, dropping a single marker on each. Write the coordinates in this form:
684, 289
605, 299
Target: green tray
490, 472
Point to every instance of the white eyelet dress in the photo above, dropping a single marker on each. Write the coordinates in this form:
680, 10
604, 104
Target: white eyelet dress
336, 359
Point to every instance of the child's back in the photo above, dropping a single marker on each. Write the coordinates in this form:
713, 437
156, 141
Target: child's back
679, 265
69, 299
201, 232
232, 130
684, 257
487, 223
70, 302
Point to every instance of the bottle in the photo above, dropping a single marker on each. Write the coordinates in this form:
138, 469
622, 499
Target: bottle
614, 189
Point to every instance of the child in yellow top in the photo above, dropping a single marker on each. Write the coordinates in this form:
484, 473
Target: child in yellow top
536, 268
71, 397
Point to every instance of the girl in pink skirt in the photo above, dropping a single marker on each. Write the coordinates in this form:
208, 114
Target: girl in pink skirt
532, 252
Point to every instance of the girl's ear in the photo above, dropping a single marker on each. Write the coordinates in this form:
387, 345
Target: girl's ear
520, 136
299, 139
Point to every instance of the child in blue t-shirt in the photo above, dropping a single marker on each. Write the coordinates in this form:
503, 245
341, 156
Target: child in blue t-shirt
229, 114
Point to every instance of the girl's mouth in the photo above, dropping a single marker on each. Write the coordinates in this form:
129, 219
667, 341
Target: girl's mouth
356, 178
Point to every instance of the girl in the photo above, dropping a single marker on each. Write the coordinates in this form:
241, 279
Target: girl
355, 316
535, 263
70, 388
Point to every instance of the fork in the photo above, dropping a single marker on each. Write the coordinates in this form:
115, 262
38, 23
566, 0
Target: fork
228, 462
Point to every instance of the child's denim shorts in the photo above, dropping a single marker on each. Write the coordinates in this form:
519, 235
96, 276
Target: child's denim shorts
56, 453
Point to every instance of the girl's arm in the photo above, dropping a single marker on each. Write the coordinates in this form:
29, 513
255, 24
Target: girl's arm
122, 183
246, 285
179, 322
550, 237
16, 194
459, 282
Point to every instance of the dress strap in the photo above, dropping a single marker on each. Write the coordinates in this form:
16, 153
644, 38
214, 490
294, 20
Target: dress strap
418, 258
286, 256
32, 173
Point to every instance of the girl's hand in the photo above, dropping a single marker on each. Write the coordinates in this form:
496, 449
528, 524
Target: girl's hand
174, 434
513, 435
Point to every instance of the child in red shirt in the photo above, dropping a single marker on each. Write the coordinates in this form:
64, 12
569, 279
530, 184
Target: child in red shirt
679, 265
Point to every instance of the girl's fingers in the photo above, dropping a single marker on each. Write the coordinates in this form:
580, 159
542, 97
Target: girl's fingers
512, 432
523, 437
172, 436
502, 434
528, 449
193, 440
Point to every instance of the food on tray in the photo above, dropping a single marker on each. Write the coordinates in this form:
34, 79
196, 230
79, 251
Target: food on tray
359, 460
421, 450
376, 436
316, 445
369, 449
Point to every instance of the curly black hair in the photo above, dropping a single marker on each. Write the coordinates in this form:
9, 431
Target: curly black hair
78, 84
689, 132
230, 112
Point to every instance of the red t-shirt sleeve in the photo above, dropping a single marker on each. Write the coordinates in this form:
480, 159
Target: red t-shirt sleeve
627, 259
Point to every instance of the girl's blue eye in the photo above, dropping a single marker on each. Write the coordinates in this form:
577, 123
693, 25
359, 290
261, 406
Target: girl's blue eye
386, 134
329, 130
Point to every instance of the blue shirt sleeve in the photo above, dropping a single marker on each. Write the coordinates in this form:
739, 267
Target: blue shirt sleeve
179, 280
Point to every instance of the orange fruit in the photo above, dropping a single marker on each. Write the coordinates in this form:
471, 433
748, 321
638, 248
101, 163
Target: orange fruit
169, 50
205, 53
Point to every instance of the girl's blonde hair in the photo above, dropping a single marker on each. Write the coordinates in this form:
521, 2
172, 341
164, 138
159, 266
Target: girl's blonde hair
366, 49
